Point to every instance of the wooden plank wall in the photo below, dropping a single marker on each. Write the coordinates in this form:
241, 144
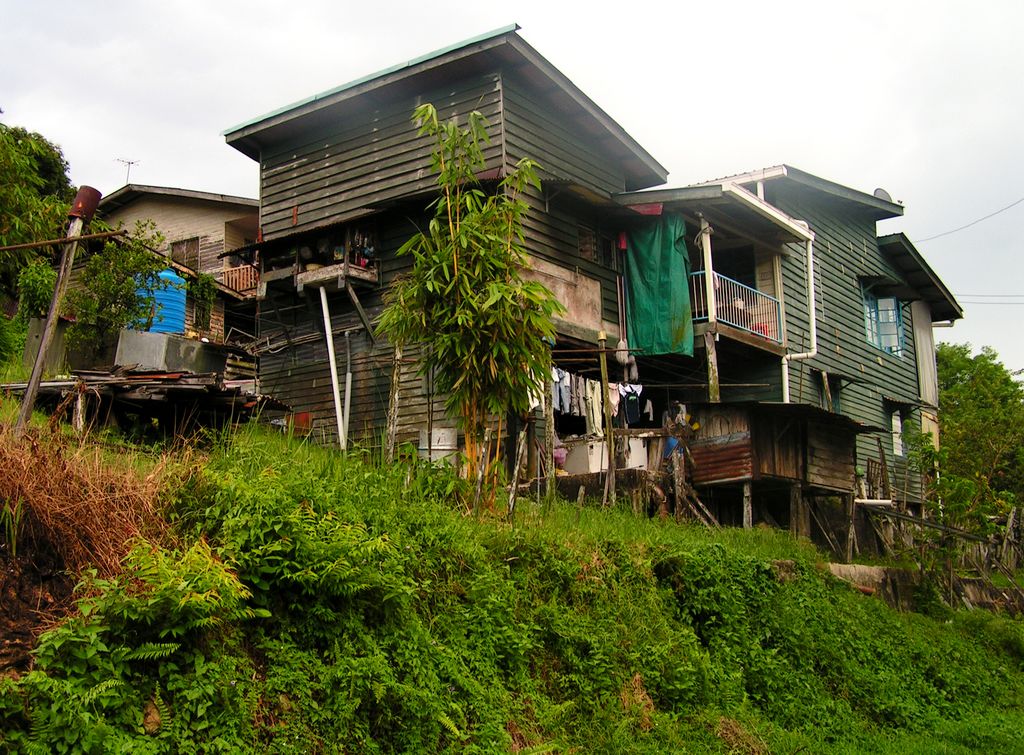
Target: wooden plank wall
551, 227
367, 158
535, 131
830, 458
778, 443
299, 374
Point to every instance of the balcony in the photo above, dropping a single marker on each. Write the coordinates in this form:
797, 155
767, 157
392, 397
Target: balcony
736, 305
243, 278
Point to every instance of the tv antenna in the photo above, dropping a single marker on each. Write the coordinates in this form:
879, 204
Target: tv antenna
128, 167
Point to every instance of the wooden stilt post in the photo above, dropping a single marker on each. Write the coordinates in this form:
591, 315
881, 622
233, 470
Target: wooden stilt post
81, 213
549, 448
513, 488
748, 505
678, 478
795, 514
339, 414
396, 377
711, 352
78, 417
851, 532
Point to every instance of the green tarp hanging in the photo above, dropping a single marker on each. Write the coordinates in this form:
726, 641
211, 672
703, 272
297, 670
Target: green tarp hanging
658, 314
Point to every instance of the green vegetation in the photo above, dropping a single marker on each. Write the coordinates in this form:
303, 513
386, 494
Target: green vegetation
35, 194
120, 282
982, 432
467, 270
305, 601
202, 289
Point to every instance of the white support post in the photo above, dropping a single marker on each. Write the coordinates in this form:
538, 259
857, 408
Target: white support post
709, 272
329, 335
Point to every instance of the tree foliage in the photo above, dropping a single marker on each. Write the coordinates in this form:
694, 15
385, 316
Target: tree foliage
482, 325
981, 427
118, 289
35, 194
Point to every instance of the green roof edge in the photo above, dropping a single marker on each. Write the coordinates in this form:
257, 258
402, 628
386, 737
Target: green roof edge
370, 77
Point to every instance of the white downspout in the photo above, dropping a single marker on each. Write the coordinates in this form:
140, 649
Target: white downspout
813, 351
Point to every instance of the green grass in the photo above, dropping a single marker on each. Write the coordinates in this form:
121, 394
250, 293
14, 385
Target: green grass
318, 602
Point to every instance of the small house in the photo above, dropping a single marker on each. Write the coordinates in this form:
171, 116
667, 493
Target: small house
764, 307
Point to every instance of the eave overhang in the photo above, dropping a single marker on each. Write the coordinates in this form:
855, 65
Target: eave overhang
878, 208
132, 192
726, 203
920, 277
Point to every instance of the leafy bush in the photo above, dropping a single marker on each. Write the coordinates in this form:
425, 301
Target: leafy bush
327, 604
36, 282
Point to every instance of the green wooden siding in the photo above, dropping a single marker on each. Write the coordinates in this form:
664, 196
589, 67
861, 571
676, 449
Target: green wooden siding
534, 130
845, 252
371, 157
551, 228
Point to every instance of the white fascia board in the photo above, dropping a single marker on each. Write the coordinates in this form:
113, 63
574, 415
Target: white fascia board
777, 216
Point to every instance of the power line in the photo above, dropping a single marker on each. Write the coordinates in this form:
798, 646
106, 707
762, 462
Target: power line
973, 222
998, 303
991, 296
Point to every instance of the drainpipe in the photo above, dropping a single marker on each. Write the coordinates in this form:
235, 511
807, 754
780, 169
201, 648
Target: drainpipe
813, 351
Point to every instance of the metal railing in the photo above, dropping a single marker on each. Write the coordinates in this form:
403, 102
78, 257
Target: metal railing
737, 305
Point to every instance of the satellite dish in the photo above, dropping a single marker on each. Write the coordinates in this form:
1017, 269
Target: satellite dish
883, 195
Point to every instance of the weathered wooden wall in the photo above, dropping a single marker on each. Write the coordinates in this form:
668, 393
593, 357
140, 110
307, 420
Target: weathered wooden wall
372, 156
778, 442
830, 458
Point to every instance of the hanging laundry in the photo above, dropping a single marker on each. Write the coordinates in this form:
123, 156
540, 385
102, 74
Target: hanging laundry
613, 398
593, 400
649, 410
577, 396
630, 394
560, 380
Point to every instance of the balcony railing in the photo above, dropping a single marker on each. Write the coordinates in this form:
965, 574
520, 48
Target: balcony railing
242, 278
737, 305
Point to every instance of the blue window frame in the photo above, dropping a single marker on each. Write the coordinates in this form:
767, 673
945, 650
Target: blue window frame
883, 322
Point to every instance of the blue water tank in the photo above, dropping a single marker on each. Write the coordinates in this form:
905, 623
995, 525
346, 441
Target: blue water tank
170, 304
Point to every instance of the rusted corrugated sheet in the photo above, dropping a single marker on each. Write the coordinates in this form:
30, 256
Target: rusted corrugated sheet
728, 457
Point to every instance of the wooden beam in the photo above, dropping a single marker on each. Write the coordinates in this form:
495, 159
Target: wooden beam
392, 428
709, 270
714, 388
360, 311
799, 524
748, 505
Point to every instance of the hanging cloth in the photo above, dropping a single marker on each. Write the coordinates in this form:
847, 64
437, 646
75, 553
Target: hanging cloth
658, 314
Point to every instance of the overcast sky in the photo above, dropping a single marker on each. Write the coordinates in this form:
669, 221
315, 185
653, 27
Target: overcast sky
921, 98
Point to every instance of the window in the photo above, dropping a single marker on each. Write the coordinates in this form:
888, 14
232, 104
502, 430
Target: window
587, 244
186, 252
828, 390
897, 432
596, 246
883, 322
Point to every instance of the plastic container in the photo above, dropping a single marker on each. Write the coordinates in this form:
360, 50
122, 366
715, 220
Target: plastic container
170, 304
